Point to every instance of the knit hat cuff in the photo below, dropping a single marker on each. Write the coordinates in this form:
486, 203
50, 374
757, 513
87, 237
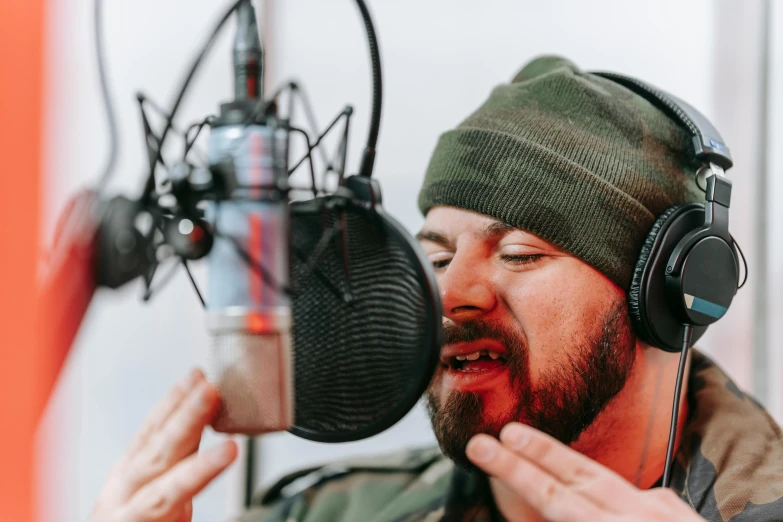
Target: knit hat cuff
531, 187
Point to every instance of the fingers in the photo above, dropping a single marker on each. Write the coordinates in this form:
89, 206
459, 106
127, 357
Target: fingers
570, 467
563, 485
544, 493
165, 408
176, 439
160, 474
166, 498
182, 432
187, 512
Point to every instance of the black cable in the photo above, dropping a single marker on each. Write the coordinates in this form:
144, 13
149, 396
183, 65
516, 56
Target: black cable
744, 261
687, 335
696, 178
368, 159
150, 185
111, 117
193, 282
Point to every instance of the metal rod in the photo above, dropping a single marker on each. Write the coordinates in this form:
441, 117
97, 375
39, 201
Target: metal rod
250, 469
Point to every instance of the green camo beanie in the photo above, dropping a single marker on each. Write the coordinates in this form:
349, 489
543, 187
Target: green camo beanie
576, 159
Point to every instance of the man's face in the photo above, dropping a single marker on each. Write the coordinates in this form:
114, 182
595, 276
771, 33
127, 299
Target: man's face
532, 333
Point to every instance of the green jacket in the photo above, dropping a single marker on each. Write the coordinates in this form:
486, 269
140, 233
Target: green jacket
729, 468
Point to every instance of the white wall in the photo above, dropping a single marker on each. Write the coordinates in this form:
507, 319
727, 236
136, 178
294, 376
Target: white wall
738, 100
775, 218
441, 58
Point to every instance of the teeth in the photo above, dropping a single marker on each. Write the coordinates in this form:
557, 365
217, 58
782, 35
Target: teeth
477, 354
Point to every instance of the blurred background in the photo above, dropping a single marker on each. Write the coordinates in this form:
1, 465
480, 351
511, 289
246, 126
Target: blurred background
441, 58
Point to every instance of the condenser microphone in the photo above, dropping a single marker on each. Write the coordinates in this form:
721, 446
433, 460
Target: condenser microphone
323, 313
249, 314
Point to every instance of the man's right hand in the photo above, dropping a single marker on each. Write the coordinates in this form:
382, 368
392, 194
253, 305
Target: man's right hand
161, 472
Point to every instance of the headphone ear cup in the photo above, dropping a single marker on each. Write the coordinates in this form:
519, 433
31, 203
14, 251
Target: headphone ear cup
635, 304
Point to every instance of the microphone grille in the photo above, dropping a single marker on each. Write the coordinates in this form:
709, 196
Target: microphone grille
252, 372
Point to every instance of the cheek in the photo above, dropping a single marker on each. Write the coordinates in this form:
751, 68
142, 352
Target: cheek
557, 307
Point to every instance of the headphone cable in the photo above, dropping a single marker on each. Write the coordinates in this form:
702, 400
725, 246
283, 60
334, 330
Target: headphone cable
687, 335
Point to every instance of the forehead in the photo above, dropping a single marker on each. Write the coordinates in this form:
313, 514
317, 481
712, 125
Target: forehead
449, 223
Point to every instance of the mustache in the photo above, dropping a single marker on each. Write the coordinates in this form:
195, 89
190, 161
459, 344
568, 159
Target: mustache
468, 332
471, 331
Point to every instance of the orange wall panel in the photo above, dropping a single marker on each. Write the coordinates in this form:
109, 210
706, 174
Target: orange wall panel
21, 387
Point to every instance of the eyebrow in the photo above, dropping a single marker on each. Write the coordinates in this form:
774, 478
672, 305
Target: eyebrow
494, 230
434, 237
498, 228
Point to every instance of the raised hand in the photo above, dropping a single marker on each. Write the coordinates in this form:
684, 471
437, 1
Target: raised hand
162, 471
561, 485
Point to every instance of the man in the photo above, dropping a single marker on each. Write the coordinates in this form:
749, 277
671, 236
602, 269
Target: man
546, 405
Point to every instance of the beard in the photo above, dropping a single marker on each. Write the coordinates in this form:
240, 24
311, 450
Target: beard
566, 400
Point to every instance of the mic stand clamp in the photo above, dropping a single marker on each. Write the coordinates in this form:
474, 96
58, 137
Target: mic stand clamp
122, 251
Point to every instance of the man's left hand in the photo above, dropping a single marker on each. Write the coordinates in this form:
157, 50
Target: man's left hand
562, 485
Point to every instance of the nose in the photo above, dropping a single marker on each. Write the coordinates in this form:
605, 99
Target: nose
466, 291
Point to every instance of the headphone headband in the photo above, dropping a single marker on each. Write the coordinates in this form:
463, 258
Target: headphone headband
708, 144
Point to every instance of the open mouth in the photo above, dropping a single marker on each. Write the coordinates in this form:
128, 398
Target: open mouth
477, 361
470, 370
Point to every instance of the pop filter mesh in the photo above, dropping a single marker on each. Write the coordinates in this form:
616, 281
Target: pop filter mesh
365, 343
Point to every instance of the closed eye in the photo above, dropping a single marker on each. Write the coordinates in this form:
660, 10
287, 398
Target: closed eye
441, 263
526, 259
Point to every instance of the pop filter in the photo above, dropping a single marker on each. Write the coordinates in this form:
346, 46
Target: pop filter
367, 317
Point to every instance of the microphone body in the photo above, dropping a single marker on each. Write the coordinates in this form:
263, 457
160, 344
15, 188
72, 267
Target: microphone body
249, 313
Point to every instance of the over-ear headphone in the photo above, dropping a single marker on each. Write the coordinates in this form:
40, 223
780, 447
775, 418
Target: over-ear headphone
687, 272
